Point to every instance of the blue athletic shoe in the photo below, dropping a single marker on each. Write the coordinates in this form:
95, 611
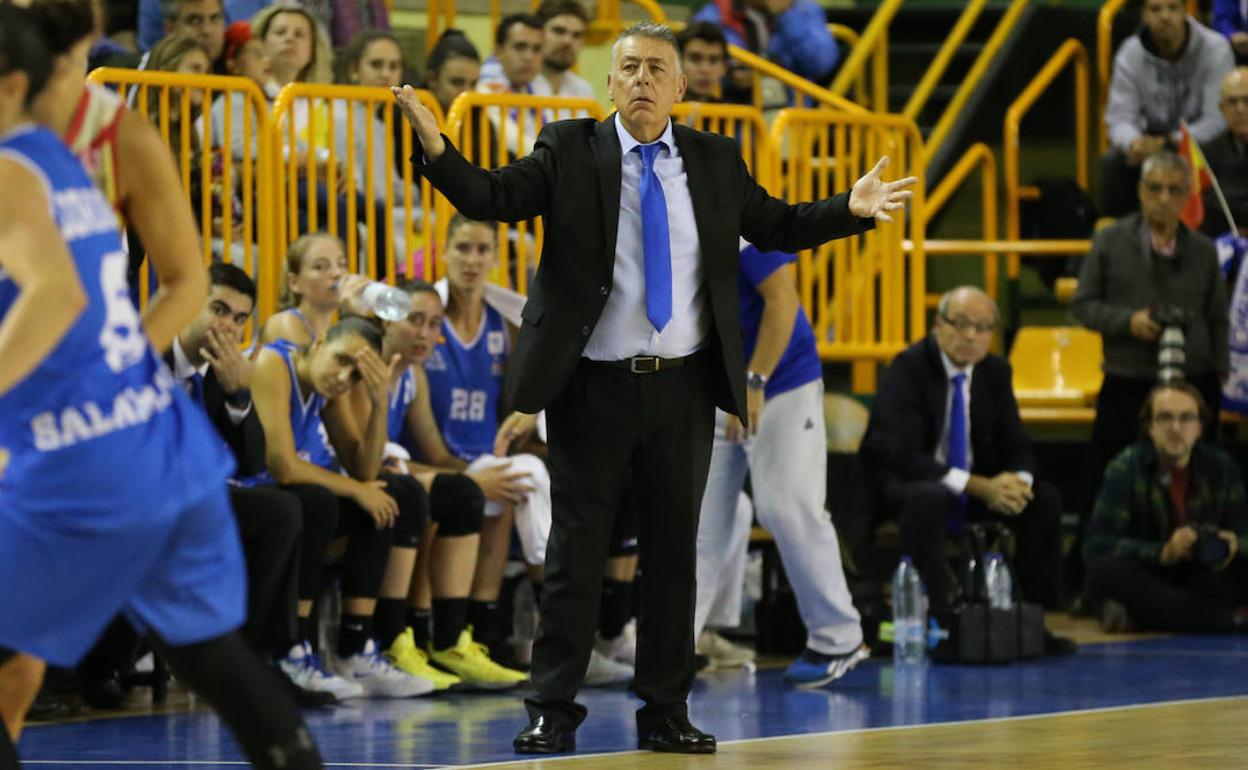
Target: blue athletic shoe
814, 669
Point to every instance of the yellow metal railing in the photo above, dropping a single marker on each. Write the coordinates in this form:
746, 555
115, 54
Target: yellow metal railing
821, 96
973, 77
1104, 59
936, 70
864, 297
743, 123
338, 172
472, 124
871, 47
980, 156
1069, 53
202, 154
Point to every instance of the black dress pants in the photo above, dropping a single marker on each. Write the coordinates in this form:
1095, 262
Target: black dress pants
610, 428
922, 510
270, 525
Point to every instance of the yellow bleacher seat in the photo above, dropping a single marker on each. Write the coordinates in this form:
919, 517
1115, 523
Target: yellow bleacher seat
1057, 371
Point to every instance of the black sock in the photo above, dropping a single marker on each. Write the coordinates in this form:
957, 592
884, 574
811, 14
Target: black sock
418, 618
483, 617
617, 604
8, 754
353, 634
389, 619
449, 618
307, 631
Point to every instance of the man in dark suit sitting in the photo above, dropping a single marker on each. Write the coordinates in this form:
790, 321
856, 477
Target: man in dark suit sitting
630, 338
945, 445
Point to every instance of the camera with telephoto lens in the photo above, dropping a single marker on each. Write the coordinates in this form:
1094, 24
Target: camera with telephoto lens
1171, 354
1211, 550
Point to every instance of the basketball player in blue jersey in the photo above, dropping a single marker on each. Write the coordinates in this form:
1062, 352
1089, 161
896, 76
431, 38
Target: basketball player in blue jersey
301, 397
84, 401
784, 452
445, 568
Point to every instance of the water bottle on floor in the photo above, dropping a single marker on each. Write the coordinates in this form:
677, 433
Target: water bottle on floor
388, 302
998, 582
909, 615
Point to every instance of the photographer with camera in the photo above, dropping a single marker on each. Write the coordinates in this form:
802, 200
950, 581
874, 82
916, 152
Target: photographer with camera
1169, 526
1148, 274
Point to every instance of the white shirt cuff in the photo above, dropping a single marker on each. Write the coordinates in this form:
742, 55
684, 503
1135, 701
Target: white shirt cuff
237, 415
1027, 478
955, 480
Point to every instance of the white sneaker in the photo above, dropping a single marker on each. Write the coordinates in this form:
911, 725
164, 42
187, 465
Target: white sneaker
723, 653
304, 668
603, 672
623, 648
378, 676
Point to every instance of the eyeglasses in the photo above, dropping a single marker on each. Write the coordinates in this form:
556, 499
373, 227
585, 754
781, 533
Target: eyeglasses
1175, 190
1168, 418
963, 325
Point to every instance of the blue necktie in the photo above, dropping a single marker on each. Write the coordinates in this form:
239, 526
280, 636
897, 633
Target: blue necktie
196, 391
655, 241
957, 456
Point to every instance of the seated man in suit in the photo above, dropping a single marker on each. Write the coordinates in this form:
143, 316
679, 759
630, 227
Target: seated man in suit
945, 445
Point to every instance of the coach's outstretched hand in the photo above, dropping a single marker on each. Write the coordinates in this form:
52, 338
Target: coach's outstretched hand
873, 197
422, 120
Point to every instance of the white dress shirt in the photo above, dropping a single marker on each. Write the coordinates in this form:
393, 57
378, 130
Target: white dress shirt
623, 330
955, 479
183, 370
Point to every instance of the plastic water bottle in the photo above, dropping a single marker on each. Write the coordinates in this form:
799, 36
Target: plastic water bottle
388, 302
909, 615
998, 582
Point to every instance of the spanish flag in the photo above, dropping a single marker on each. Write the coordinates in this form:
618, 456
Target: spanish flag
1194, 209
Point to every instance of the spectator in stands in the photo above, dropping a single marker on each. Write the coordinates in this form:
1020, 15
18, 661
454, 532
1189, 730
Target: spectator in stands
374, 59
704, 57
945, 445
453, 67
283, 539
564, 23
154, 16
791, 33
1145, 269
513, 69
1227, 154
1230, 17
1169, 72
302, 397
186, 55
1165, 546
348, 18
245, 56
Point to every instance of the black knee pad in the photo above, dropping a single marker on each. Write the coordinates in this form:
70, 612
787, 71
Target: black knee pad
413, 509
458, 505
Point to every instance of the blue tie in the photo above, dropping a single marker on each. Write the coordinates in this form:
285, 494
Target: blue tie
958, 455
196, 381
655, 241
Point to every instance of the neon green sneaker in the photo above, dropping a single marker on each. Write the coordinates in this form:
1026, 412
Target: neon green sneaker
471, 662
415, 661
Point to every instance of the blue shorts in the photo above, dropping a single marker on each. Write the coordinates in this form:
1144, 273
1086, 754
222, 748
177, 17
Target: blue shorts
180, 577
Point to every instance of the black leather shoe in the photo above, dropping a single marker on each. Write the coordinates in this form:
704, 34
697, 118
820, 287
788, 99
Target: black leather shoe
674, 734
545, 736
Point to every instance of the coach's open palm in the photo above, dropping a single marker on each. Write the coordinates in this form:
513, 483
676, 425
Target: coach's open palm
872, 197
422, 120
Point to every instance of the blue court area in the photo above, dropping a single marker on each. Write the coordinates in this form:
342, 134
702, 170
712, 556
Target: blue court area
467, 729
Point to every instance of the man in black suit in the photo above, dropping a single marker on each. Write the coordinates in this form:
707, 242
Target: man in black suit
206, 361
630, 338
945, 445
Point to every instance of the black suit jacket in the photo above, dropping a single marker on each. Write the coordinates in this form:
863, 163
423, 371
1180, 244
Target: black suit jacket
245, 440
909, 415
572, 180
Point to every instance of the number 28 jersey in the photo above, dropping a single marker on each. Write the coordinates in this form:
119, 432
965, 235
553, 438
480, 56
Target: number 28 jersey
466, 385
99, 425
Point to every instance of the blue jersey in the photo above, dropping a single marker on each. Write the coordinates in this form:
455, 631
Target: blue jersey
306, 427
99, 426
800, 362
466, 385
402, 394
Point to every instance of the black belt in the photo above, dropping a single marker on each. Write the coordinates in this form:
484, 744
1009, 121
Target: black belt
647, 364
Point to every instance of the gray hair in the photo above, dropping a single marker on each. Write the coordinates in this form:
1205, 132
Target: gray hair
652, 30
946, 299
169, 9
1168, 161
